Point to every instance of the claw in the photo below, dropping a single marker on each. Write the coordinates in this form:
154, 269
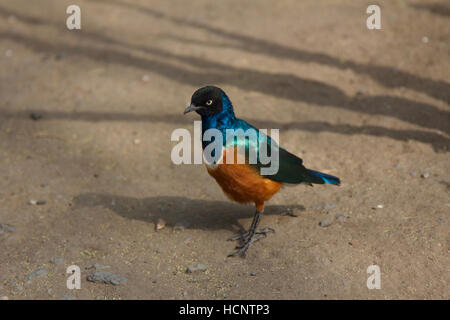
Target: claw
250, 236
255, 238
244, 235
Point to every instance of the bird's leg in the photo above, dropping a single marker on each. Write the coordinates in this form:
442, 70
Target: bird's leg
251, 235
243, 236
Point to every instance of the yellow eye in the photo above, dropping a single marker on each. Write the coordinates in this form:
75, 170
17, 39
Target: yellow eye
209, 102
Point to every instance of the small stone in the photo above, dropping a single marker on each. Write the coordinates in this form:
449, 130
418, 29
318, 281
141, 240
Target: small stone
7, 228
253, 274
106, 277
289, 212
160, 224
136, 141
380, 206
425, 175
56, 260
325, 223
37, 202
37, 273
425, 39
145, 78
35, 116
341, 218
196, 268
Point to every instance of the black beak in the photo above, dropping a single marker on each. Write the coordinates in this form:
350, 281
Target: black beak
191, 108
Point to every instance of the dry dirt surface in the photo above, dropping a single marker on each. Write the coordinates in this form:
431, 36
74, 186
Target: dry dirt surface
86, 118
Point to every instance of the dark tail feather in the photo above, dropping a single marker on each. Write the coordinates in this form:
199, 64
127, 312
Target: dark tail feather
326, 178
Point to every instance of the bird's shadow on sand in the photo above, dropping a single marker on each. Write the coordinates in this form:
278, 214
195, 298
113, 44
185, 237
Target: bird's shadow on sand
189, 213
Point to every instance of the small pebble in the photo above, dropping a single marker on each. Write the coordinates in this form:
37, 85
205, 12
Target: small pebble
56, 260
289, 212
425, 175
145, 78
37, 273
380, 206
7, 228
35, 116
37, 202
341, 218
425, 39
136, 141
196, 268
253, 274
106, 277
160, 224
325, 223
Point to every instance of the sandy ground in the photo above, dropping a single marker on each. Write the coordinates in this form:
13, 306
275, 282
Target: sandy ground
371, 107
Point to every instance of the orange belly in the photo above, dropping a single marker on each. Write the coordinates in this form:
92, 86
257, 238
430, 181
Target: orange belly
243, 184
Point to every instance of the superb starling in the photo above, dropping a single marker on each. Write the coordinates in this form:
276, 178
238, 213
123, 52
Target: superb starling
245, 182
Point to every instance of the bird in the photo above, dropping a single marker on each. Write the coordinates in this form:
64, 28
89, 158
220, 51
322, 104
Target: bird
245, 182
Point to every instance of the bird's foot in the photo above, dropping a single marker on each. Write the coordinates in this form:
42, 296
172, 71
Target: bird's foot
248, 240
243, 236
